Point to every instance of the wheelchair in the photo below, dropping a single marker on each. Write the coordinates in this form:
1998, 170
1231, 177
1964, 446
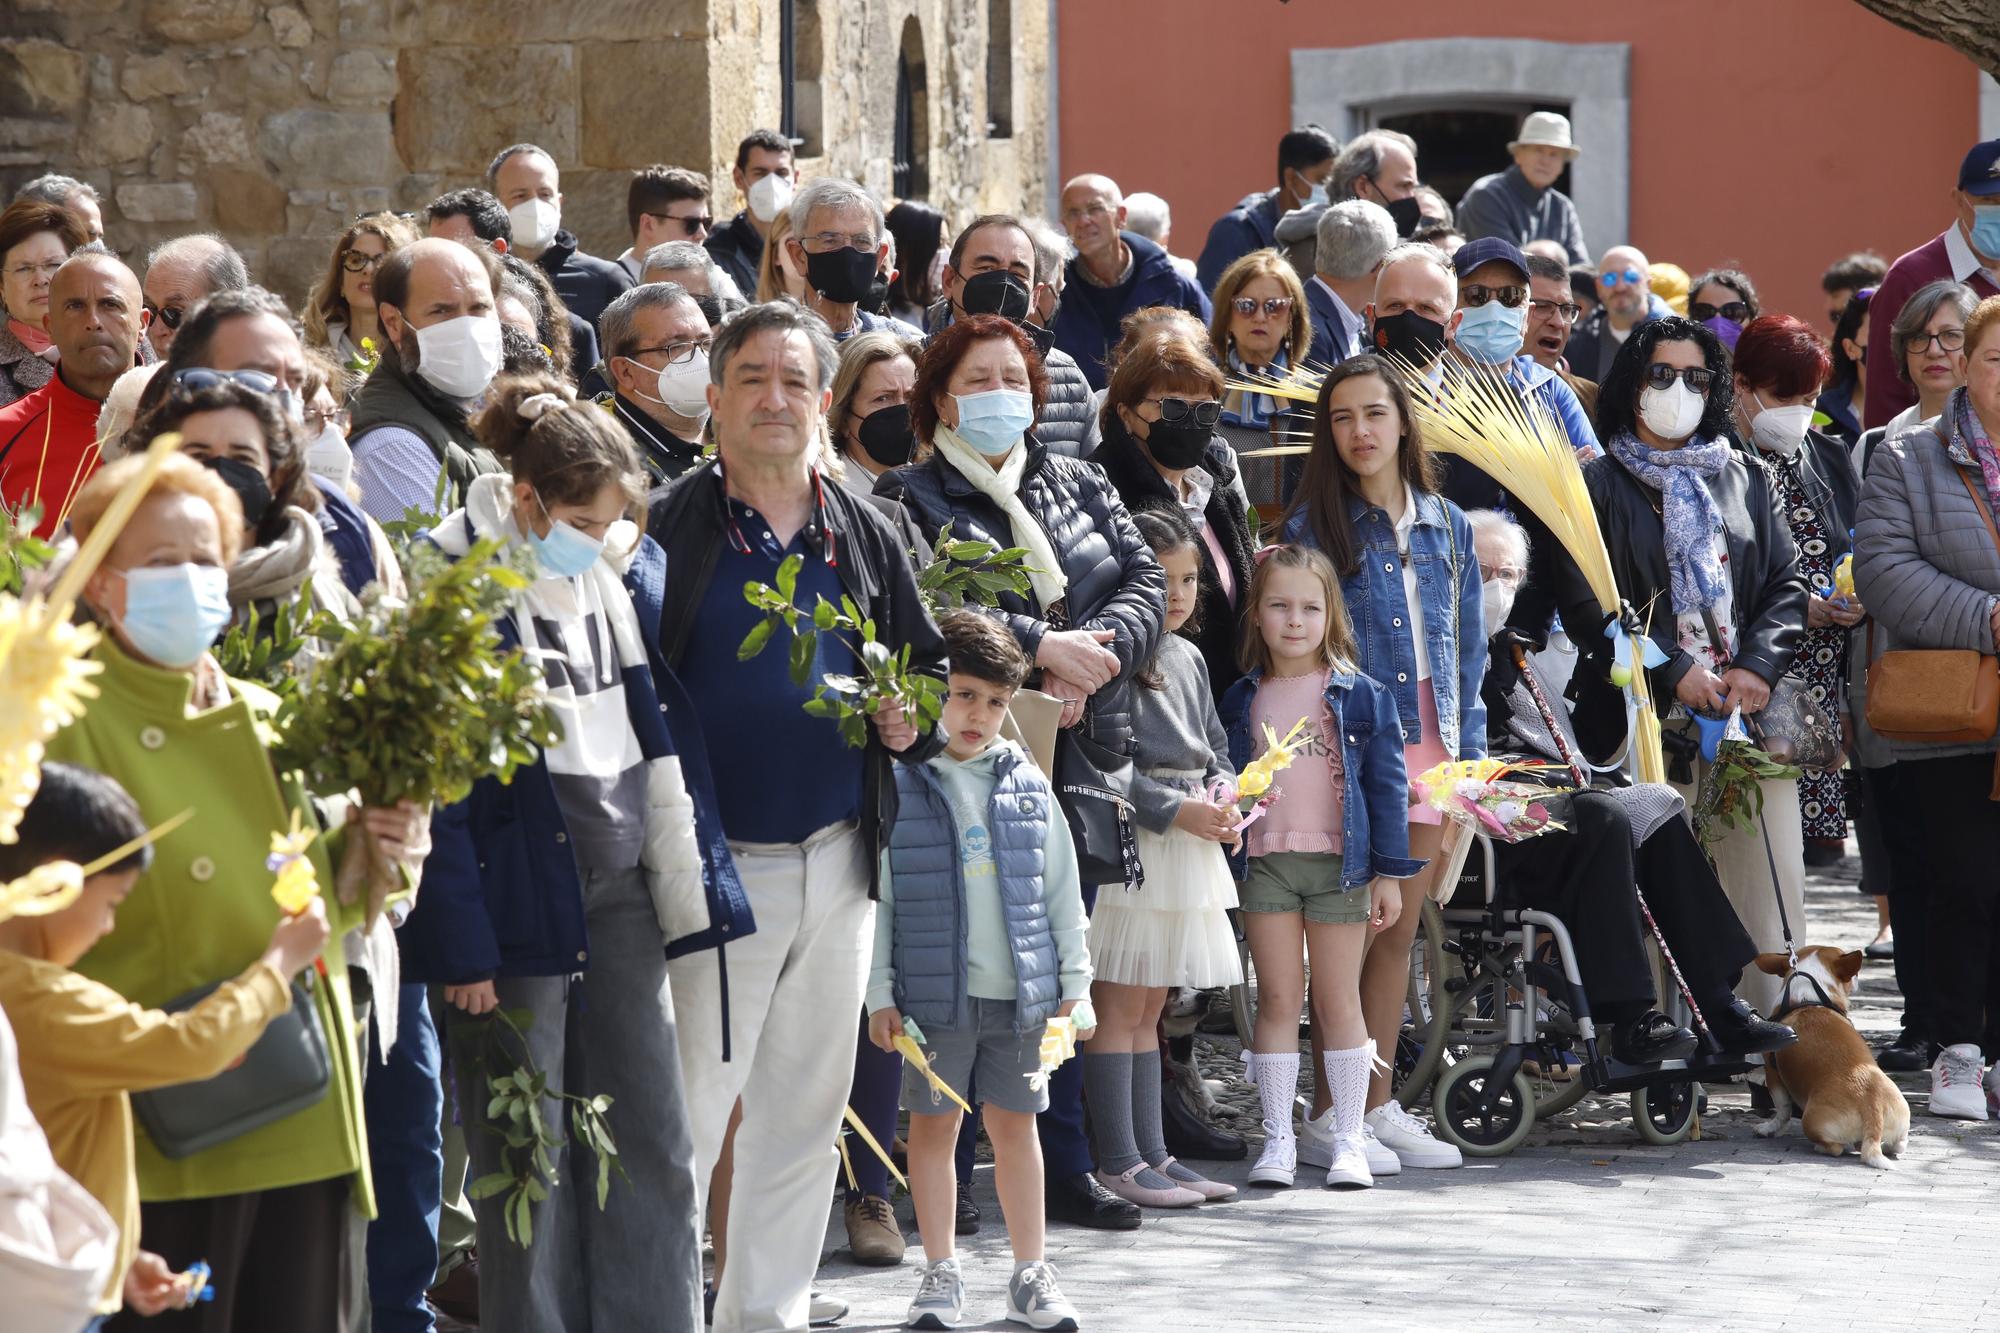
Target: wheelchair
1499, 1032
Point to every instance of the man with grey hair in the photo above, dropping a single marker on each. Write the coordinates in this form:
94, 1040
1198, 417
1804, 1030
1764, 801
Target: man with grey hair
1148, 215
656, 356
1352, 238
840, 241
68, 192
1413, 310
802, 809
180, 275
688, 264
1381, 167
1115, 272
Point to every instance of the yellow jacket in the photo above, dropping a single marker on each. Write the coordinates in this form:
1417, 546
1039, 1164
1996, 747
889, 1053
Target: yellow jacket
84, 1048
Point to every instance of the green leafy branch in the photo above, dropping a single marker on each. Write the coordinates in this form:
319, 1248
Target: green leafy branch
266, 649
846, 700
1732, 796
972, 573
21, 551
416, 701
514, 1113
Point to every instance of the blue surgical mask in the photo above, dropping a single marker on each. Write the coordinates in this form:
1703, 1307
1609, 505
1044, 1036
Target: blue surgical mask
1986, 230
565, 552
994, 421
174, 613
1492, 333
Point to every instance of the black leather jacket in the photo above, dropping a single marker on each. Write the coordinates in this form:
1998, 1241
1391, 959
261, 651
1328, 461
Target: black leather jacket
1769, 592
1114, 582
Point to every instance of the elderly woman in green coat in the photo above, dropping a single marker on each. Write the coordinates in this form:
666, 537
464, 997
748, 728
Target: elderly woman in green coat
268, 1209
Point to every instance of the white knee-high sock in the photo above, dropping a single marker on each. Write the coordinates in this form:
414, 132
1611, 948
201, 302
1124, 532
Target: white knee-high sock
1347, 1084
1277, 1080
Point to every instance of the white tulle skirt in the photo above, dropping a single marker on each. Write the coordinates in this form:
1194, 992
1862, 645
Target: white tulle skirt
1174, 931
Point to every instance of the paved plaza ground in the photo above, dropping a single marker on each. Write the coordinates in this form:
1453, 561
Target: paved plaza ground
1584, 1226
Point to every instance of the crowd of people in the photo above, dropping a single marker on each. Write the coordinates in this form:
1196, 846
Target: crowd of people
805, 395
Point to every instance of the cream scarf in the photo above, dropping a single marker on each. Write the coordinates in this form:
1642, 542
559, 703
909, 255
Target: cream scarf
1002, 485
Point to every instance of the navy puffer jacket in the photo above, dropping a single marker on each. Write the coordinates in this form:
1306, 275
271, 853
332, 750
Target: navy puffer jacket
1114, 582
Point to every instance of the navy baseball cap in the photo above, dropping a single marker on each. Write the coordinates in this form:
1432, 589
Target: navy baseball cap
1980, 172
1487, 249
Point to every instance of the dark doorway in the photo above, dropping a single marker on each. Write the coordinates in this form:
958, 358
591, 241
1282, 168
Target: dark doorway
910, 171
1458, 145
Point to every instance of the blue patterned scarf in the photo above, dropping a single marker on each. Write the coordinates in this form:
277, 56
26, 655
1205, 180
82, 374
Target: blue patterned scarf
1979, 444
1254, 410
1687, 512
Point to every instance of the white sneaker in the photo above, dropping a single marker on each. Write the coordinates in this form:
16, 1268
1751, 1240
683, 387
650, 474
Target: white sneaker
826, 1311
1034, 1299
1316, 1143
1350, 1165
1956, 1093
1993, 1090
1410, 1138
940, 1299
1278, 1164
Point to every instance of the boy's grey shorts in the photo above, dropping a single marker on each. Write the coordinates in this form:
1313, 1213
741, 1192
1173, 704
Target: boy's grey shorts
984, 1062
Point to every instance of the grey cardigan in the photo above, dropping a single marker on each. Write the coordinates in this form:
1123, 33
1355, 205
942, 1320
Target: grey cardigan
1177, 729
1925, 565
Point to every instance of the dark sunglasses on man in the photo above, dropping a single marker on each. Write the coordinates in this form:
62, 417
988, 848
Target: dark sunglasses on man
1478, 294
1660, 375
1736, 312
692, 226
169, 315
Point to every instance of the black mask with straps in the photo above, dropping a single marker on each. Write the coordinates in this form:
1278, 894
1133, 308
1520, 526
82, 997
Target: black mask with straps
249, 484
887, 436
843, 276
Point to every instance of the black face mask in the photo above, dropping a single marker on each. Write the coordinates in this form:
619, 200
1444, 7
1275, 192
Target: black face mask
996, 293
1042, 338
249, 485
1409, 335
887, 435
1406, 213
877, 300
1177, 444
842, 276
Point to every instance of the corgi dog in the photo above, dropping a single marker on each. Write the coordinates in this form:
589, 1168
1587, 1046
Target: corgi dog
1844, 1099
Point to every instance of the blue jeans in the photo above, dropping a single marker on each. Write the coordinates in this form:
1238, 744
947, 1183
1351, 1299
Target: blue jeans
404, 1102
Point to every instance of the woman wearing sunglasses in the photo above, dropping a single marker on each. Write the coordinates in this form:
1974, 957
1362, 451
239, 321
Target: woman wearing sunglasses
1260, 327
1700, 551
1161, 450
340, 313
1723, 300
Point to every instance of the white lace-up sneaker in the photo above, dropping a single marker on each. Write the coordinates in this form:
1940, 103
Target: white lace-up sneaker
1278, 1164
1992, 1086
1349, 1168
1956, 1093
1410, 1138
940, 1299
1034, 1299
1316, 1138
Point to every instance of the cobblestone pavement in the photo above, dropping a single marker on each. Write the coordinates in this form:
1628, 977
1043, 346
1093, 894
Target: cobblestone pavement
1585, 1225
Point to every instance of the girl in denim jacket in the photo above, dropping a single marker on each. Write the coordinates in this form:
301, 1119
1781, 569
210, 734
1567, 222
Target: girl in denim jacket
1324, 860
1410, 580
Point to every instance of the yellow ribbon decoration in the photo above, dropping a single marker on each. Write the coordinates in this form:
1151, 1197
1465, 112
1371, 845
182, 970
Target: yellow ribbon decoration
915, 1055
297, 884
1058, 1045
1256, 777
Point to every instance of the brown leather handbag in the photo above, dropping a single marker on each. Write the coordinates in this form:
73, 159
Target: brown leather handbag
1935, 696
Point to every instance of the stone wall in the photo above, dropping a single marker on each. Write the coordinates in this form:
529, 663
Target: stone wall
276, 124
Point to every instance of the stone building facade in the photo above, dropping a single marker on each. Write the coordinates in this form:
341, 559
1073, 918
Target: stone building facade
275, 124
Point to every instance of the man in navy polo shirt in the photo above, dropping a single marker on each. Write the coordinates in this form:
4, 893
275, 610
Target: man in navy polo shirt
771, 1018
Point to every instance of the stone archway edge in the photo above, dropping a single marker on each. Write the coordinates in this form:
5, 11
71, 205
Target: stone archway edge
1336, 86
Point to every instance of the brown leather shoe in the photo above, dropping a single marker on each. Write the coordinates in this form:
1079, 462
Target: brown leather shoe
458, 1295
872, 1233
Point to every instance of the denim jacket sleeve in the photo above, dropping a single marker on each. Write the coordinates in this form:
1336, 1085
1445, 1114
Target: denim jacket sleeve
1385, 783
1471, 644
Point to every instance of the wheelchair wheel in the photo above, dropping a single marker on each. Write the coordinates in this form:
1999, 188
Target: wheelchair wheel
1665, 1113
1480, 1131
1420, 1048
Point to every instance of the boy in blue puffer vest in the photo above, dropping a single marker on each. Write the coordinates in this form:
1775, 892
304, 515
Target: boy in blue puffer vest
980, 939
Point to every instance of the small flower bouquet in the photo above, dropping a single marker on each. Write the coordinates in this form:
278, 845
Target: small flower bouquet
1477, 794
1251, 792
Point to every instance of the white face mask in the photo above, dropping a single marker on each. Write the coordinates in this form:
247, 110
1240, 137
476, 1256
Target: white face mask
769, 196
682, 387
535, 223
1671, 413
459, 357
1496, 601
329, 457
1780, 430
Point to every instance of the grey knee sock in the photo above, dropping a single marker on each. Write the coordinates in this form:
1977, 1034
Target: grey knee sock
1146, 1117
1107, 1082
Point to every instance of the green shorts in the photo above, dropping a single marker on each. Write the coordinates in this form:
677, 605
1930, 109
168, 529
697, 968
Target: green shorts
1307, 882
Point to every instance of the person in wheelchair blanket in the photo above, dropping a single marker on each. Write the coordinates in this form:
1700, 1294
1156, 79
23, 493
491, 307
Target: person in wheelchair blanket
1620, 843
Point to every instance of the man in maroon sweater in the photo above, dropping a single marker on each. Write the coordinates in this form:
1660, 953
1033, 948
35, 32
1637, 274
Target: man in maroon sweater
1967, 251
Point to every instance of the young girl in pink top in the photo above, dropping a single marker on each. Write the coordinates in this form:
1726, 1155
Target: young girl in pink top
1323, 860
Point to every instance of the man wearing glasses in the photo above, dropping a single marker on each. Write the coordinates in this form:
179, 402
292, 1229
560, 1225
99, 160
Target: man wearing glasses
656, 354
664, 204
840, 239
1625, 302
1552, 316
180, 275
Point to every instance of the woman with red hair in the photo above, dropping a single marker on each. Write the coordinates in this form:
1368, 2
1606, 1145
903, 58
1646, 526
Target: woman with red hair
1780, 366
